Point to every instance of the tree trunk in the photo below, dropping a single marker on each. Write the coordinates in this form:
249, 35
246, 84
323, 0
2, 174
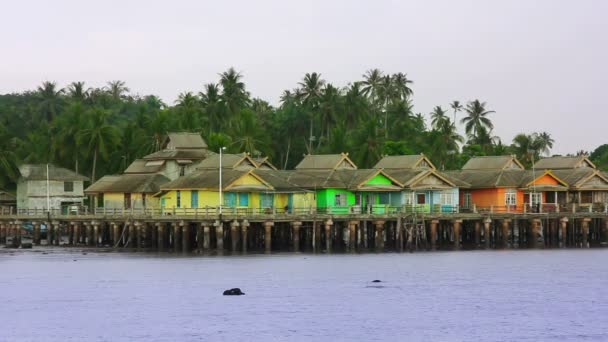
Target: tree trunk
287, 154
94, 166
310, 137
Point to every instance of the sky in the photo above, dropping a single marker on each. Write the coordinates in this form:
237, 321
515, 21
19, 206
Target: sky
541, 65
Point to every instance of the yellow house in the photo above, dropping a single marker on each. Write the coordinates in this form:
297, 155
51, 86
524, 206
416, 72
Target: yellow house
243, 191
127, 191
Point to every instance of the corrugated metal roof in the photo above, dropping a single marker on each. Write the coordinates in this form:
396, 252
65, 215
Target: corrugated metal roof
404, 162
492, 163
184, 140
177, 154
560, 162
134, 183
38, 172
229, 161
143, 166
325, 162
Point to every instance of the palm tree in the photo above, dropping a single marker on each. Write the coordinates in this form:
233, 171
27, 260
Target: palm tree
329, 109
212, 106
387, 94
446, 142
234, 96
402, 85
99, 136
65, 130
456, 107
356, 106
187, 105
310, 94
545, 142
477, 117
8, 159
371, 84
50, 99
77, 91
249, 137
117, 89
438, 117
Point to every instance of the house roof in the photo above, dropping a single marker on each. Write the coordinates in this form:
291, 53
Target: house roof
229, 161
209, 180
177, 155
413, 178
493, 163
145, 166
184, 141
405, 162
134, 183
559, 162
583, 178
326, 162
484, 179
7, 196
39, 172
264, 163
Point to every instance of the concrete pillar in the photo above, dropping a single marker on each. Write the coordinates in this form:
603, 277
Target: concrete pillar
57, 231
433, 236
604, 231
176, 236
505, 233
185, 228
206, 236
234, 235
352, 235
2, 233
534, 232
486, 229
328, 236
95, 233
564, 228
160, 236
477, 229
585, 231
244, 228
316, 242
115, 234
295, 235
379, 235
36, 238
456, 226
219, 235
268, 236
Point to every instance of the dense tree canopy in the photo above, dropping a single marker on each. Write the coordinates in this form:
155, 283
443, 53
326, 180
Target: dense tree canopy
98, 131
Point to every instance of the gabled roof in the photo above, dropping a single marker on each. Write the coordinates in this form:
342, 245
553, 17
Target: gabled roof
145, 166
209, 180
529, 180
483, 179
405, 162
559, 162
177, 155
584, 178
128, 183
493, 163
264, 163
183, 141
326, 162
229, 161
39, 172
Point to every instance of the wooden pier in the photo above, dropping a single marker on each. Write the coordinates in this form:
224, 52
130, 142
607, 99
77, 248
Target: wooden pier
310, 233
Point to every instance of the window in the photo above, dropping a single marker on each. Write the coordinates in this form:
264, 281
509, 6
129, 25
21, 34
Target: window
182, 170
446, 198
68, 186
340, 200
467, 199
511, 197
420, 198
586, 197
230, 199
194, 199
143, 200
536, 198
266, 200
178, 199
244, 199
127, 200
384, 198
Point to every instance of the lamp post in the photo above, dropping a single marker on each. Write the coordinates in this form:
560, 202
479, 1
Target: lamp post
221, 199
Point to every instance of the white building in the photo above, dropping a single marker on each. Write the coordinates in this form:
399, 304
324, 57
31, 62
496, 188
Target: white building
59, 187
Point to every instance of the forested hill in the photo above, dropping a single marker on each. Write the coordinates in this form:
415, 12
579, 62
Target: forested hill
102, 130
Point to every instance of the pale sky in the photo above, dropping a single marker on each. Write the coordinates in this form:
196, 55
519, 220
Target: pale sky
541, 65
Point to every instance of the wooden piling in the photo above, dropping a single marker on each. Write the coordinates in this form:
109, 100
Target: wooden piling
316, 232
456, 228
160, 236
268, 236
379, 236
57, 232
95, 225
352, 235
36, 237
585, 232
185, 230
219, 235
2, 233
433, 235
244, 229
534, 233
505, 233
199, 237
486, 231
295, 235
206, 236
328, 237
234, 235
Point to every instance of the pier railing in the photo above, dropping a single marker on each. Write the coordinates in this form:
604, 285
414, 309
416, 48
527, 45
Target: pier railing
378, 209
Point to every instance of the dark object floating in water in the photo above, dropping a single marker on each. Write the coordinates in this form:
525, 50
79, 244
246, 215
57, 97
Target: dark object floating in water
234, 292
376, 281
26, 245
